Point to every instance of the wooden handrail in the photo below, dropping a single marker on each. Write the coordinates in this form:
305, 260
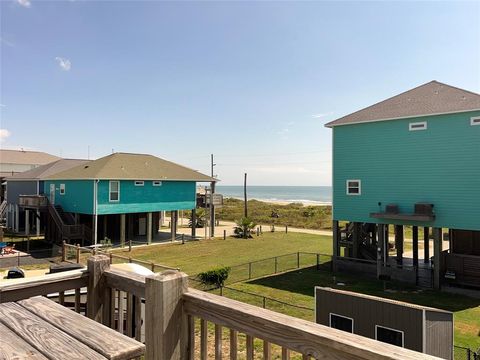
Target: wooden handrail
18, 289
298, 335
125, 281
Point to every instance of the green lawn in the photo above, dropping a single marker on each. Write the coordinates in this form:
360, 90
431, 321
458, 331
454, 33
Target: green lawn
296, 287
197, 256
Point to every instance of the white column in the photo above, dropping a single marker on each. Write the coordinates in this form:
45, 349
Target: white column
149, 227
17, 217
27, 222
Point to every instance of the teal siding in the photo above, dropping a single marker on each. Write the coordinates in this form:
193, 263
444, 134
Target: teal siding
440, 165
78, 196
171, 195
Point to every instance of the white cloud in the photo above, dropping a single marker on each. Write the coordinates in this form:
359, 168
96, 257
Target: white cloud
4, 133
6, 42
24, 3
3, 105
321, 115
65, 64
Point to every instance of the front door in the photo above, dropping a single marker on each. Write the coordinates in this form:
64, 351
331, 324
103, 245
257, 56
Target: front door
52, 194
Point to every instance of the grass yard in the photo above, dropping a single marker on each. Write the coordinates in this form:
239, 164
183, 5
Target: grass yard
296, 287
197, 256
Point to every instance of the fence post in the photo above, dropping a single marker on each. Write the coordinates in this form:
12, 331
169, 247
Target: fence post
298, 260
129, 245
258, 231
276, 264
221, 290
224, 234
264, 302
78, 253
261, 230
183, 239
249, 270
111, 258
63, 251
95, 292
152, 266
129, 259
286, 229
163, 308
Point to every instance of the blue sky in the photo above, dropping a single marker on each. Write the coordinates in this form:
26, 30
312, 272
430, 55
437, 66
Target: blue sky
251, 82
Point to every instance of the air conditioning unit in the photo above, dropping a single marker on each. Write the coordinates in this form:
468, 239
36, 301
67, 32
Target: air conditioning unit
424, 209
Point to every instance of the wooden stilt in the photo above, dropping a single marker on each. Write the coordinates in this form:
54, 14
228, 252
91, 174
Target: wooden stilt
426, 245
415, 245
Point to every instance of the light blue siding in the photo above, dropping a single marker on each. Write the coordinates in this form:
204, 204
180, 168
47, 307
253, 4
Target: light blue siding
171, 195
440, 165
78, 196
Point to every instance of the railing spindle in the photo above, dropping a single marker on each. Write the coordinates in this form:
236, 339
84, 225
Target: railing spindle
121, 306
233, 344
77, 300
191, 337
129, 324
285, 354
203, 339
267, 350
218, 342
61, 297
249, 347
138, 318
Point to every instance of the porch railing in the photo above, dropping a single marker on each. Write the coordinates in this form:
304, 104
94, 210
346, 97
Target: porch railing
163, 310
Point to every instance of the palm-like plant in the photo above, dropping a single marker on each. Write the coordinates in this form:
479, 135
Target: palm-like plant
200, 217
244, 228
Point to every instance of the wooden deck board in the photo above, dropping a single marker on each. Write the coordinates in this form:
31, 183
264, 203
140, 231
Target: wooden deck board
46, 338
14, 348
106, 341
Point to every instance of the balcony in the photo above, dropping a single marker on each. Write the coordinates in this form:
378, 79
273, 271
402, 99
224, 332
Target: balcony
33, 201
174, 319
423, 212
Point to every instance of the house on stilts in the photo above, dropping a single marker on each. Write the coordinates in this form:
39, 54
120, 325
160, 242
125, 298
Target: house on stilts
413, 161
120, 197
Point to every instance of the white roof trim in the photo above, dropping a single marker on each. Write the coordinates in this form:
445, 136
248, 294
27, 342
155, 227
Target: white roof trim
401, 118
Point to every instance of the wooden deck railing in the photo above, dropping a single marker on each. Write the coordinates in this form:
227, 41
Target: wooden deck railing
163, 311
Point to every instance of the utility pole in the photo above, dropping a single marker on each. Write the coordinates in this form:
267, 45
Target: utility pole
245, 195
212, 191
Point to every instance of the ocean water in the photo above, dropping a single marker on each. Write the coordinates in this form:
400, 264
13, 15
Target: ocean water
315, 195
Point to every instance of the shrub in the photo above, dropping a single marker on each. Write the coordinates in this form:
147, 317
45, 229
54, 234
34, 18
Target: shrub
245, 227
215, 277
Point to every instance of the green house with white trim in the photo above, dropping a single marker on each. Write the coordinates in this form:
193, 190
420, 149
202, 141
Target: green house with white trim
120, 197
413, 161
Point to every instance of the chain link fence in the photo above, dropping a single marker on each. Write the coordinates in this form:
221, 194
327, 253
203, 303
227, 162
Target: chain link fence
463, 353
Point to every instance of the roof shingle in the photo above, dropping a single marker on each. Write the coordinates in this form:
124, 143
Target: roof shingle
428, 99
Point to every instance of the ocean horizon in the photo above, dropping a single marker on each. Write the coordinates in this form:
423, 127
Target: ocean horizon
309, 195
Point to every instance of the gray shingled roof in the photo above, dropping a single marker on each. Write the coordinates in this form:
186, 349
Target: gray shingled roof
427, 99
25, 157
124, 166
44, 171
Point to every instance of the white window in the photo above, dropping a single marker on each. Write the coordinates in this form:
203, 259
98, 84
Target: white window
354, 187
156, 183
417, 126
62, 189
389, 336
475, 120
139, 183
114, 191
341, 322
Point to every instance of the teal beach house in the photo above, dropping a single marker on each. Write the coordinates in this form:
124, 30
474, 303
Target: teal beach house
411, 160
120, 196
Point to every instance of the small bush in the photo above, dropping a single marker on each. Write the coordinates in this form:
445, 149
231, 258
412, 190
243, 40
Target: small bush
215, 277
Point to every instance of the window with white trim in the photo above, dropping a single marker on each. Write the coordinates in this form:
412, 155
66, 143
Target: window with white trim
62, 189
354, 187
139, 183
417, 126
389, 336
475, 120
156, 183
114, 191
341, 322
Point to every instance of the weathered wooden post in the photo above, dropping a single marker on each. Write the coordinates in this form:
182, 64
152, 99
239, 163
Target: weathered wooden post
166, 330
96, 266
286, 229
78, 253
224, 234
298, 260
437, 253
129, 245
63, 251
183, 239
